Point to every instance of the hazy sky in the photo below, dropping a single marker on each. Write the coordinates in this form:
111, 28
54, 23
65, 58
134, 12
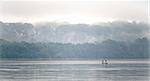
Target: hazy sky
73, 11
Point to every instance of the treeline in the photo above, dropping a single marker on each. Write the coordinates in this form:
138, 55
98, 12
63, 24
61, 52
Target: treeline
106, 49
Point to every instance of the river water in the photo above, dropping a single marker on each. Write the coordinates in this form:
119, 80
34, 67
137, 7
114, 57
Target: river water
74, 70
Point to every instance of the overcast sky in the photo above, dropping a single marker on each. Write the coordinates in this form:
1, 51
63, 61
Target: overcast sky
73, 11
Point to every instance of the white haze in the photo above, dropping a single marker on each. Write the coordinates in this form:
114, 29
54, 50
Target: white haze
73, 33
87, 12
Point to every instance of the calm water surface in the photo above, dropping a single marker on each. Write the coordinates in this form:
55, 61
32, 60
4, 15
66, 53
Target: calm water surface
74, 70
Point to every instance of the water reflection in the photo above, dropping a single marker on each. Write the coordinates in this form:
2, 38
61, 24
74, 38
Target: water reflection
75, 71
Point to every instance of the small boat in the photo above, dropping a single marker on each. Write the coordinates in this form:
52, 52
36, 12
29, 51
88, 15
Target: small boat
104, 62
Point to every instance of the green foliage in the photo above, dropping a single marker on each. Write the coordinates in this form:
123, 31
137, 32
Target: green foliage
107, 49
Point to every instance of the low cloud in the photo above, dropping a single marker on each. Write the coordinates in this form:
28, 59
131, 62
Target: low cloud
73, 33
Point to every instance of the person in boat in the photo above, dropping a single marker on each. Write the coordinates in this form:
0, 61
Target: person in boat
104, 62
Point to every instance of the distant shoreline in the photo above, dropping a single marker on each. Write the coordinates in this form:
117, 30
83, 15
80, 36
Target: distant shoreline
75, 58
41, 62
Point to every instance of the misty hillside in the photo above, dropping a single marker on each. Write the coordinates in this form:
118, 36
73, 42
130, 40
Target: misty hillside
118, 39
106, 49
73, 33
